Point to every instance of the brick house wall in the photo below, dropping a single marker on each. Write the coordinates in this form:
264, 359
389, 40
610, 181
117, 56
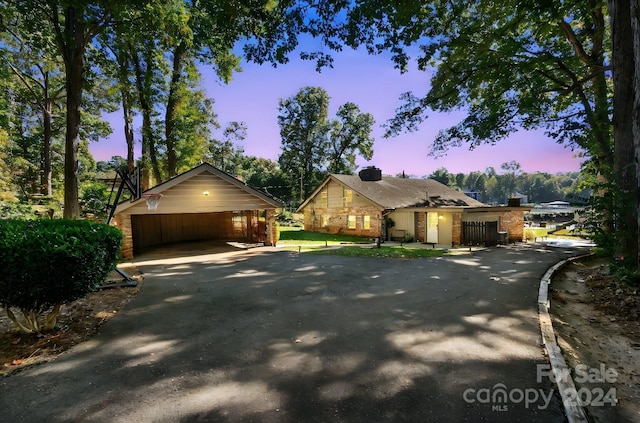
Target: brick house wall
456, 228
512, 221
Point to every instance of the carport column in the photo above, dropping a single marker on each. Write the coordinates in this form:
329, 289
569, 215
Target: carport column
272, 231
124, 223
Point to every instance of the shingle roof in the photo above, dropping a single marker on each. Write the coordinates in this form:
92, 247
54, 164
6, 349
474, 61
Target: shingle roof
395, 193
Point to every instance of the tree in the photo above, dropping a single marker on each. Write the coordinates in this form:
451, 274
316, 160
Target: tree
531, 65
266, 175
304, 129
73, 26
313, 145
350, 134
39, 84
512, 170
443, 176
475, 181
626, 119
635, 34
226, 154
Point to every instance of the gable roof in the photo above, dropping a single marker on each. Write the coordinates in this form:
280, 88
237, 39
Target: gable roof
395, 193
203, 169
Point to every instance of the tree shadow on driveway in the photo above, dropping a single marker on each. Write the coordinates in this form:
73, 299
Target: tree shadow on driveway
266, 335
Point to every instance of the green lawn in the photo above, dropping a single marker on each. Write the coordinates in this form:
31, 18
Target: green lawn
290, 235
532, 233
385, 252
316, 242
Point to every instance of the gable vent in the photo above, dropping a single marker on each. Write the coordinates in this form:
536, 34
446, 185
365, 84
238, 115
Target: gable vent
370, 173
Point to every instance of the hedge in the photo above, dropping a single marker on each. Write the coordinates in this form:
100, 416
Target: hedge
46, 263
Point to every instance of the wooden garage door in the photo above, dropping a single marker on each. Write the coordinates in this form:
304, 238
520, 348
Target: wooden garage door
155, 229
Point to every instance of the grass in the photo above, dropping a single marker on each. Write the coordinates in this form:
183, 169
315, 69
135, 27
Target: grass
290, 235
533, 233
316, 243
382, 252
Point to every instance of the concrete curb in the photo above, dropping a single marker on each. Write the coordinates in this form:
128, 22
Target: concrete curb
574, 411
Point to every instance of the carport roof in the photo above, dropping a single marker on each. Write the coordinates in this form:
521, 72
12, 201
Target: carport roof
198, 170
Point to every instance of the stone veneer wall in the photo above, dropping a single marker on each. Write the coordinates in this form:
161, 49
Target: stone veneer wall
337, 221
272, 229
124, 223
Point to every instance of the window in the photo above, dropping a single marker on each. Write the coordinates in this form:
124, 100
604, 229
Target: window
323, 199
325, 220
366, 222
351, 221
348, 196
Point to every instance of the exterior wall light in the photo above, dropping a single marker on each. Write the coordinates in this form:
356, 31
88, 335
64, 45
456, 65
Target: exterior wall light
206, 193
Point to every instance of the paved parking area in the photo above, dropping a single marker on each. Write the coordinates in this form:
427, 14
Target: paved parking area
273, 336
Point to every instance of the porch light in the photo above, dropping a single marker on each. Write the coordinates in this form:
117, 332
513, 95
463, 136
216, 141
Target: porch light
440, 217
206, 193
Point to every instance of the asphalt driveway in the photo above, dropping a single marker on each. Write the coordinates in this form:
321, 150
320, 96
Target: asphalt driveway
275, 336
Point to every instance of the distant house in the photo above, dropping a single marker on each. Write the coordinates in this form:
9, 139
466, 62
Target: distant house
425, 210
201, 204
556, 205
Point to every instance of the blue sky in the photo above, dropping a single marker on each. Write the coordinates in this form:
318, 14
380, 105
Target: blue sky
374, 85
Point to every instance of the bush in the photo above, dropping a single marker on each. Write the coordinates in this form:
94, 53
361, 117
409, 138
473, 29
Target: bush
95, 199
46, 263
14, 210
408, 238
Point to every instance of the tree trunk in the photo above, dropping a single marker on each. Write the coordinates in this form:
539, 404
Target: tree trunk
127, 111
149, 159
128, 131
172, 106
45, 175
624, 150
73, 52
635, 26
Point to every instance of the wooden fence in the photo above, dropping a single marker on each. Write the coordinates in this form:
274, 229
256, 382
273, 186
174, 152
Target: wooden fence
480, 233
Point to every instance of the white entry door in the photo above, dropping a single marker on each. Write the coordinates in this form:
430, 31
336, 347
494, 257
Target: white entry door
432, 227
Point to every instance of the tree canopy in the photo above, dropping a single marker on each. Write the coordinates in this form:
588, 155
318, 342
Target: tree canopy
313, 145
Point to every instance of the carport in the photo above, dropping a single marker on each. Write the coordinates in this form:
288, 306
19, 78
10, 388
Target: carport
203, 203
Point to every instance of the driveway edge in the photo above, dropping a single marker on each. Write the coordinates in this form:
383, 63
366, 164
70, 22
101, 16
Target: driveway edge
574, 411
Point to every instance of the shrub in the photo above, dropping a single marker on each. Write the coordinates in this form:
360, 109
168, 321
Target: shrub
14, 210
95, 198
46, 263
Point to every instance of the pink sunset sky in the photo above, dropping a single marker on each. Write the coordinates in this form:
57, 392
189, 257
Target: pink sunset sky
374, 85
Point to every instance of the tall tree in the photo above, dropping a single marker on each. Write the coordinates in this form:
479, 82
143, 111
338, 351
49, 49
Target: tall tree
226, 154
74, 26
304, 129
350, 134
512, 170
635, 34
626, 192
443, 176
39, 80
518, 65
